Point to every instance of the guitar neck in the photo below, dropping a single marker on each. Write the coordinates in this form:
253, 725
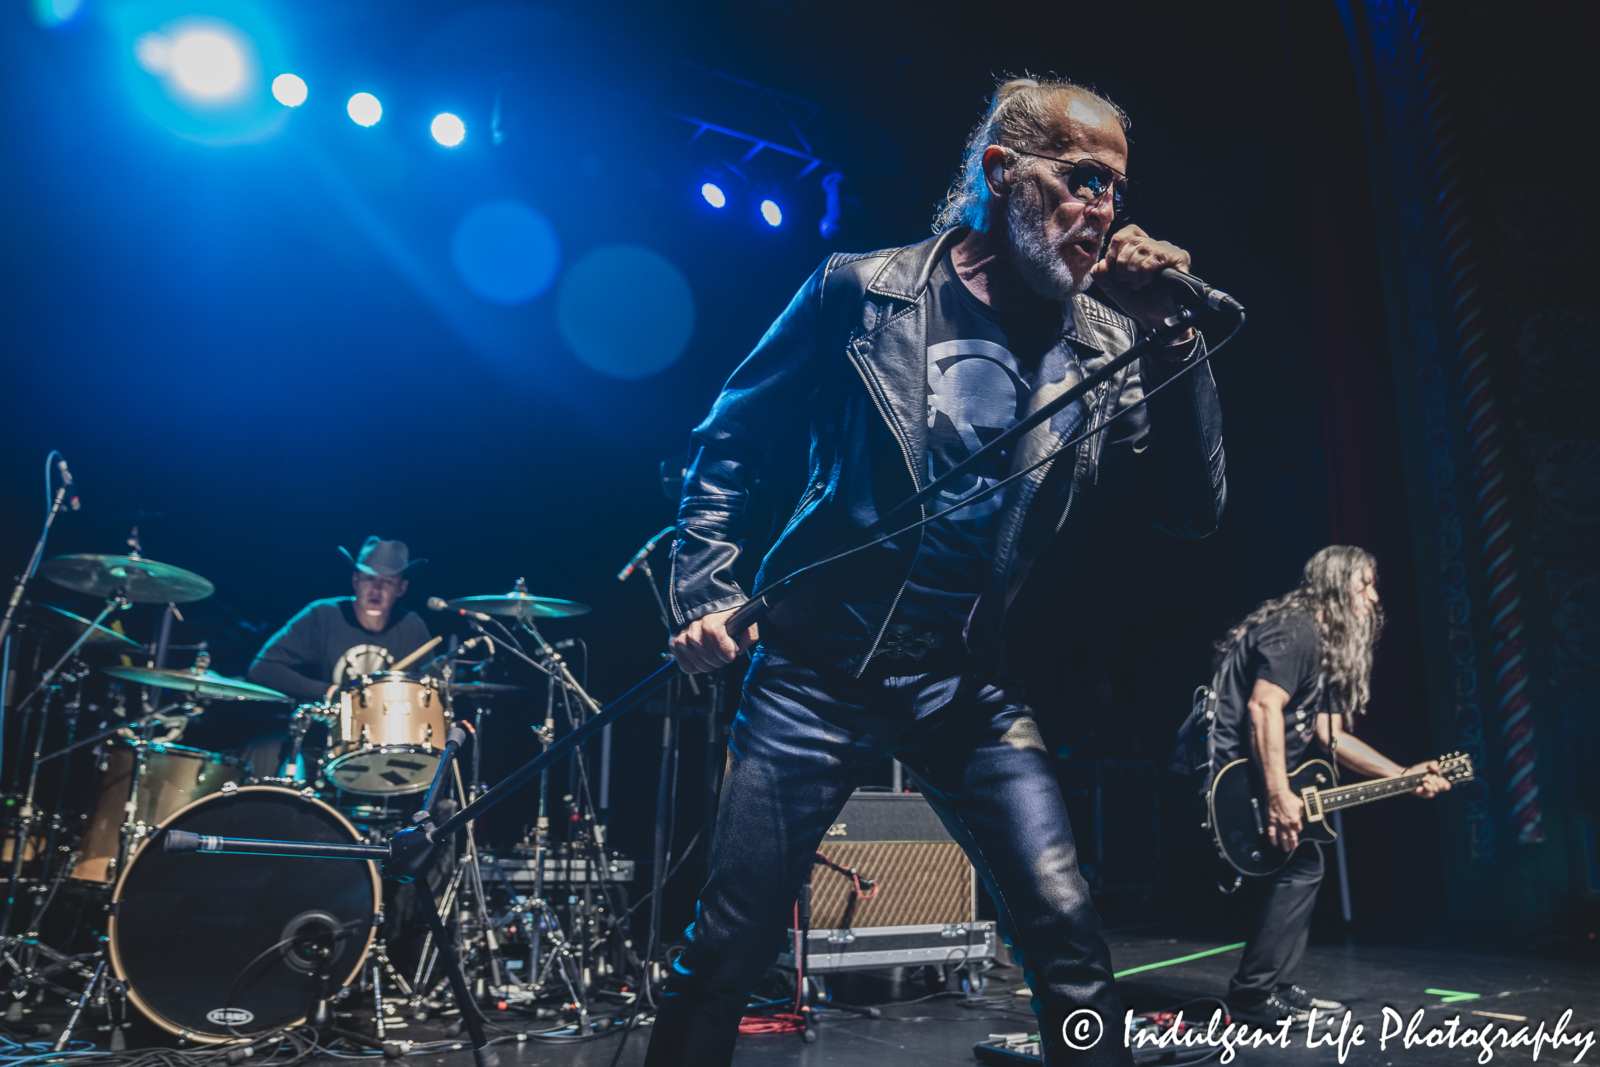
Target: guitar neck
1348, 796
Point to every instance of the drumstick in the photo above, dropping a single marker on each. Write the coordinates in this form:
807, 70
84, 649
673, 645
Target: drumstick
418, 654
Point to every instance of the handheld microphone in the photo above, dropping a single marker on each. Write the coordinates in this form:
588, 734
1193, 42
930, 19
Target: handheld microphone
1191, 292
66, 480
440, 604
639, 556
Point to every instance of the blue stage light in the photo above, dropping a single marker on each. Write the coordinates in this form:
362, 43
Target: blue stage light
448, 130
53, 13
505, 252
772, 212
628, 337
208, 64
714, 195
289, 90
201, 75
364, 109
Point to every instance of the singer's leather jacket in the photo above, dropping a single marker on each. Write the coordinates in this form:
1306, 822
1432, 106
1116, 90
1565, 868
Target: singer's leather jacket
850, 349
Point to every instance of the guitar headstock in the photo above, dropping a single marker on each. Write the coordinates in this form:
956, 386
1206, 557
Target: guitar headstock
1455, 767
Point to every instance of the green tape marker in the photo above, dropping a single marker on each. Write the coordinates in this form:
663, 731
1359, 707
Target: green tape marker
1193, 956
1451, 996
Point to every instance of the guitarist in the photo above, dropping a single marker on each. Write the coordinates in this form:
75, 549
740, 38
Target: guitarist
1296, 668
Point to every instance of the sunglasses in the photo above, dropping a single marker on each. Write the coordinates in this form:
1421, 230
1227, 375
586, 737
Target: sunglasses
1089, 180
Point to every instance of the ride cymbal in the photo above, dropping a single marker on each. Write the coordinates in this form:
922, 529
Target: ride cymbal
203, 682
143, 581
522, 605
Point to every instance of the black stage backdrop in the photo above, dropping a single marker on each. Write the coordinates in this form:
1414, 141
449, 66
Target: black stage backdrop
265, 342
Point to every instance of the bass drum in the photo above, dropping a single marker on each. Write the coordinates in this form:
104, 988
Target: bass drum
218, 947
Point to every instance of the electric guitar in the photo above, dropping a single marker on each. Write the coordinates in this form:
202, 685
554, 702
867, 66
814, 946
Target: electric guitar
1237, 808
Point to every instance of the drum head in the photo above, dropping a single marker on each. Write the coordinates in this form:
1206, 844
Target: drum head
222, 946
384, 770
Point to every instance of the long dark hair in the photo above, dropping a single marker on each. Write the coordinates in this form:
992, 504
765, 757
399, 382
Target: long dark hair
1348, 641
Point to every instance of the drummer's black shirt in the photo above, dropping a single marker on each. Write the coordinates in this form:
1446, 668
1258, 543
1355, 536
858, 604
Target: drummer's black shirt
324, 645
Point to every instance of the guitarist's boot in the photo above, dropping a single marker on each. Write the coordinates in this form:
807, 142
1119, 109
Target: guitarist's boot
1267, 1013
1296, 997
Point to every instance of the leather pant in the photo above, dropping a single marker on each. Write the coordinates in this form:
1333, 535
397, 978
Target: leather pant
804, 738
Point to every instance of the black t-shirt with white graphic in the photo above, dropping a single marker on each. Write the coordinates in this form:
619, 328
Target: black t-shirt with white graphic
324, 645
981, 366
1286, 651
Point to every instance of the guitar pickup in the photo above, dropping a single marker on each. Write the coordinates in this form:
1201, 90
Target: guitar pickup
1313, 803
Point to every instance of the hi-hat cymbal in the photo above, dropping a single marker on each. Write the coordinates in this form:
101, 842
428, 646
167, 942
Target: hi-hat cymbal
143, 581
100, 635
204, 683
485, 689
522, 605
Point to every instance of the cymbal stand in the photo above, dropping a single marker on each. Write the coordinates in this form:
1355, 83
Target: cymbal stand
491, 945
115, 602
23, 822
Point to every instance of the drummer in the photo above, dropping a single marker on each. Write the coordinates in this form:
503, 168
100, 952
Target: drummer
331, 641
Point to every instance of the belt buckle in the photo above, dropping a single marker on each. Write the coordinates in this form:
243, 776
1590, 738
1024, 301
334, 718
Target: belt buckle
900, 641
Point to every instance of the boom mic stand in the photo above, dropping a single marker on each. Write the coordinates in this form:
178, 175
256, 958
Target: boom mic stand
411, 852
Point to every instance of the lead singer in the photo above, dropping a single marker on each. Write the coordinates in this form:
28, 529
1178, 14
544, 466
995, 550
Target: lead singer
905, 361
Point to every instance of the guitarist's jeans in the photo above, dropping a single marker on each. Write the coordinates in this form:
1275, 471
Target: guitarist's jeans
803, 740
1279, 939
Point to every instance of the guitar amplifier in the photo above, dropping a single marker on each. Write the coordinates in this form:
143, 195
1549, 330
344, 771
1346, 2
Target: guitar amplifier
925, 909
896, 840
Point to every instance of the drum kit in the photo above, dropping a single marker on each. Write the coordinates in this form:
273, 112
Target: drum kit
218, 950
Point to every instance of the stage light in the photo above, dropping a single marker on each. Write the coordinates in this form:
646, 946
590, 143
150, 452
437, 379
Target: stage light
289, 90
364, 109
772, 213
208, 64
201, 76
633, 338
54, 13
505, 252
714, 195
448, 130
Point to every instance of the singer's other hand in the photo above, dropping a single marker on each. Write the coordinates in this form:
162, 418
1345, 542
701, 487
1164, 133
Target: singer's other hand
705, 644
1131, 261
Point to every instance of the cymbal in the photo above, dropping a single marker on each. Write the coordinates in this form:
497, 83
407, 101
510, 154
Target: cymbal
203, 683
485, 689
143, 581
100, 635
522, 605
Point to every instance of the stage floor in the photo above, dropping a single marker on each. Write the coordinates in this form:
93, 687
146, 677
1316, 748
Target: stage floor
1506, 989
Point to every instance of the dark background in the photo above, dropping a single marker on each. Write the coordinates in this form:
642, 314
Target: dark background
266, 343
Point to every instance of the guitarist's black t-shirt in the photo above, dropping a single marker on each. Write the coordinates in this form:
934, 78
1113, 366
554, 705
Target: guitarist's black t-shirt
1286, 651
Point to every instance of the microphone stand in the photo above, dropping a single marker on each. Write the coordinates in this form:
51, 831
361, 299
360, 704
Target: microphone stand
411, 852
56, 507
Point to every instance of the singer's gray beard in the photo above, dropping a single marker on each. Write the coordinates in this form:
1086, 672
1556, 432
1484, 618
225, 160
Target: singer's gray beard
1040, 265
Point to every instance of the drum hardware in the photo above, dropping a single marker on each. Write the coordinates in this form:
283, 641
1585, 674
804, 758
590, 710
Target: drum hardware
97, 636
115, 602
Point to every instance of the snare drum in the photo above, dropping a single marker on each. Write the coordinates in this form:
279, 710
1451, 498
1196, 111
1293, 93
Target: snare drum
389, 735
173, 777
